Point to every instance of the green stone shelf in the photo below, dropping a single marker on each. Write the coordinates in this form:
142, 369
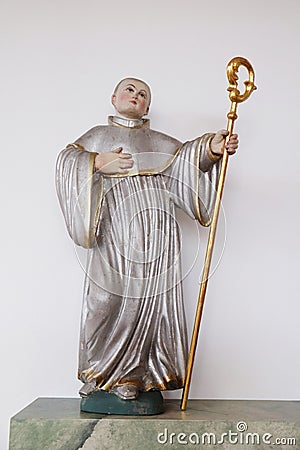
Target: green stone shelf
58, 424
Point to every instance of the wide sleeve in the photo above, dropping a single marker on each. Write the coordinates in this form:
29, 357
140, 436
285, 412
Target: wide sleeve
79, 191
192, 179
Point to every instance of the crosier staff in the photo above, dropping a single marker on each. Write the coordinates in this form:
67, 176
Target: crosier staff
236, 97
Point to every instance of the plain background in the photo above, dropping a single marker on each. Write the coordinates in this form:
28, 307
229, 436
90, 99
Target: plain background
60, 62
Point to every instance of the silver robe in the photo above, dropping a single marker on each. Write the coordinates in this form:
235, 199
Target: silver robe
133, 328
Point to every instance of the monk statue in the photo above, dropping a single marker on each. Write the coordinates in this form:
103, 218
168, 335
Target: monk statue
119, 186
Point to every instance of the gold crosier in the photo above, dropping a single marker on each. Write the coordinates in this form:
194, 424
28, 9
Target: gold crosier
236, 97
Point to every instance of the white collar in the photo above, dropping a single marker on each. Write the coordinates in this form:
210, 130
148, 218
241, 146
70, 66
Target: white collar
128, 123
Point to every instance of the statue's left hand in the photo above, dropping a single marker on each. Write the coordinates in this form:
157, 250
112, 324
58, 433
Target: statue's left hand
217, 143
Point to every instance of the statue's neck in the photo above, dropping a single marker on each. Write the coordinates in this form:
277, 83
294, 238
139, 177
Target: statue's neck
128, 123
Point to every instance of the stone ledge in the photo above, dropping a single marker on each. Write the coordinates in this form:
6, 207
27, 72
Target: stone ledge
58, 424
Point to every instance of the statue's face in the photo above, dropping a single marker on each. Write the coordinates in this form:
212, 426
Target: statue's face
132, 99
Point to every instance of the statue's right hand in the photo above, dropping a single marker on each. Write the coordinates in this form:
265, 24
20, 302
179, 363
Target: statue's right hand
113, 162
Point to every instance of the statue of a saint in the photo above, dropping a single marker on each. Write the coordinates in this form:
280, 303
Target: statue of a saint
118, 187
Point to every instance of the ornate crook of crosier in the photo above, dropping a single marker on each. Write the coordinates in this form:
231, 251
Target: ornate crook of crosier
232, 75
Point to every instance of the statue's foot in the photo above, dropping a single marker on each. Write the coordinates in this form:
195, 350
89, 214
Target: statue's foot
88, 388
126, 392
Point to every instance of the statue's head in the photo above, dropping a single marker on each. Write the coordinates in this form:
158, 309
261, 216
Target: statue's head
131, 98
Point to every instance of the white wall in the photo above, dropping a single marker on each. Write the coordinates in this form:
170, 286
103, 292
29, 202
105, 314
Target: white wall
60, 62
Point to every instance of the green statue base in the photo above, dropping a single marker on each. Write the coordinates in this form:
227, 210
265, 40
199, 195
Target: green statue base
102, 402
